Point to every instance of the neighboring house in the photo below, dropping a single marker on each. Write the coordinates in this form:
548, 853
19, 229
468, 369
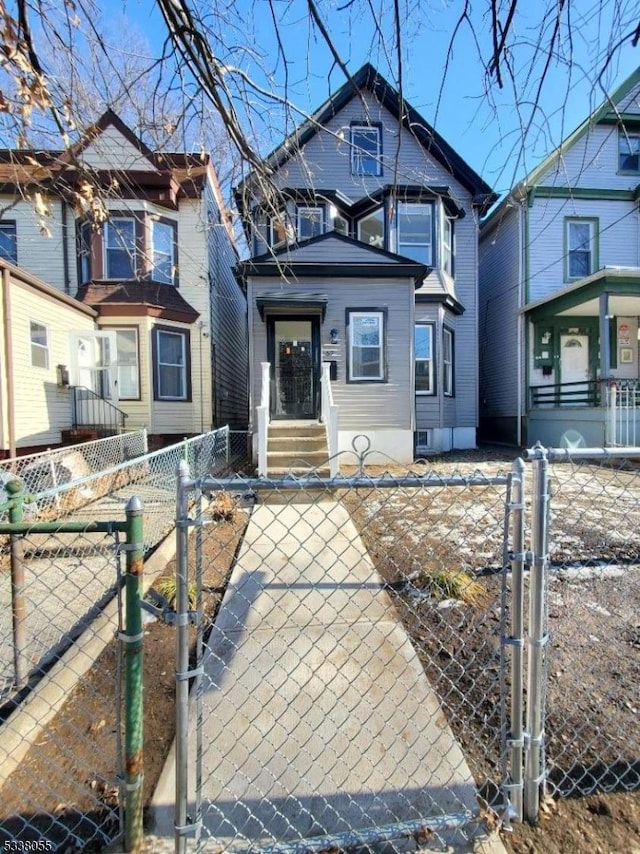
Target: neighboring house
560, 290
144, 241
34, 345
362, 285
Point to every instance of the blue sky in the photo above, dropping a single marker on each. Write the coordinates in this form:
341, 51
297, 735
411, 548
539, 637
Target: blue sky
497, 131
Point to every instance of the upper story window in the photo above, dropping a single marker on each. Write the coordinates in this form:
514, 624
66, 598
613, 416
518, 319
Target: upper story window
120, 248
447, 362
84, 251
628, 152
8, 242
281, 231
163, 236
423, 341
581, 252
447, 245
371, 228
415, 231
39, 338
310, 222
366, 150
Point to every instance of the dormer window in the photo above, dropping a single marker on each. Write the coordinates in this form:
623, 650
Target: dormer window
163, 235
310, 222
120, 248
366, 150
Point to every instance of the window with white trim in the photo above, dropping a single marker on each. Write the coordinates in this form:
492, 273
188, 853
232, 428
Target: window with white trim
371, 228
415, 231
447, 245
39, 339
423, 345
310, 222
628, 152
366, 150
163, 237
9, 242
171, 364
84, 251
281, 230
366, 346
581, 248
120, 248
447, 362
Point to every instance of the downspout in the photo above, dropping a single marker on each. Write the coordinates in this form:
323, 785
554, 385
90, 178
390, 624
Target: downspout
65, 247
8, 358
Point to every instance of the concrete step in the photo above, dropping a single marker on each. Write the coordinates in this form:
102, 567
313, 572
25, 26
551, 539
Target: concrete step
288, 460
296, 444
296, 428
296, 471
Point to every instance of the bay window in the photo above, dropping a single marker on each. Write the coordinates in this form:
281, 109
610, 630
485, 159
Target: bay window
447, 362
415, 231
120, 248
163, 237
366, 360
127, 361
310, 222
371, 228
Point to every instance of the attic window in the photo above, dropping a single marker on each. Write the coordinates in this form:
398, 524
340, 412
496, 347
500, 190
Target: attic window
628, 152
366, 150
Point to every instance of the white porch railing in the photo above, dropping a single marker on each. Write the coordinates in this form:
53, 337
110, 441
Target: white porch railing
329, 417
623, 412
262, 418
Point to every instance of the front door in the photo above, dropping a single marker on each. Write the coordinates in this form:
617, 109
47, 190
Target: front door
293, 352
574, 366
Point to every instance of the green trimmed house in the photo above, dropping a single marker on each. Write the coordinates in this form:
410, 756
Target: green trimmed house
559, 276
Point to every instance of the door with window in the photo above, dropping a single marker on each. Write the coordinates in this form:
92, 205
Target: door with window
293, 353
574, 368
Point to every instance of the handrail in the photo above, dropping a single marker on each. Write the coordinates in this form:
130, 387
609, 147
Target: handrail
97, 406
262, 418
585, 393
329, 416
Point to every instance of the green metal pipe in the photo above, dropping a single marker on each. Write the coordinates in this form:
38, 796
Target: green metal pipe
134, 773
60, 527
15, 492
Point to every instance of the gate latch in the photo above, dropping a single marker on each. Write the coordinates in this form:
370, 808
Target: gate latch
160, 608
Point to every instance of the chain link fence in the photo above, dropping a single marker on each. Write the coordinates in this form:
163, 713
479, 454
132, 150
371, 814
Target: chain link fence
592, 617
52, 468
65, 770
350, 691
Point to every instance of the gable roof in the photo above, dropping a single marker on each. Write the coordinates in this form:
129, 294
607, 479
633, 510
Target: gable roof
369, 79
606, 113
107, 119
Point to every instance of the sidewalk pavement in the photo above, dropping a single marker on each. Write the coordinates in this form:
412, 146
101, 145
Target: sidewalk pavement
318, 719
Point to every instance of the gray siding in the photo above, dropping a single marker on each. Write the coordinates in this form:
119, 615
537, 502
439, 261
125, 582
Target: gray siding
362, 406
228, 318
500, 287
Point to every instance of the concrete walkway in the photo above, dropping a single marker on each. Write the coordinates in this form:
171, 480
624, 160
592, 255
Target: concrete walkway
318, 717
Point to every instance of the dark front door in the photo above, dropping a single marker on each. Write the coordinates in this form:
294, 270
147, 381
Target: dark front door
294, 356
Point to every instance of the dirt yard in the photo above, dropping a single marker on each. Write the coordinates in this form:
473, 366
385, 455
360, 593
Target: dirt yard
594, 660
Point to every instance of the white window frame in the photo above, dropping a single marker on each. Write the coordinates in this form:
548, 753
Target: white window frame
171, 280
313, 210
447, 244
430, 327
376, 215
448, 361
288, 236
37, 346
183, 365
404, 207
109, 227
354, 315
85, 234
11, 228
362, 157
592, 253
630, 141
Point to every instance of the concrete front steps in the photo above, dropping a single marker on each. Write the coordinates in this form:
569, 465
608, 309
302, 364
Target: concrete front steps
297, 447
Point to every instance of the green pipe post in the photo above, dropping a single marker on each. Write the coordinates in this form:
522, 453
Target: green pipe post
134, 767
18, 602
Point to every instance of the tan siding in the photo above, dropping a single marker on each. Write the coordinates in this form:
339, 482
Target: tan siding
111, 150
38, 253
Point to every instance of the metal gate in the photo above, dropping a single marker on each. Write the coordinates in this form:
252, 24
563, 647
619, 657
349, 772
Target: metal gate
352, 689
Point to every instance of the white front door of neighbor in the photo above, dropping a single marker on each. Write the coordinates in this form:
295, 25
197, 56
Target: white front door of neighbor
574, 367
93, 363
